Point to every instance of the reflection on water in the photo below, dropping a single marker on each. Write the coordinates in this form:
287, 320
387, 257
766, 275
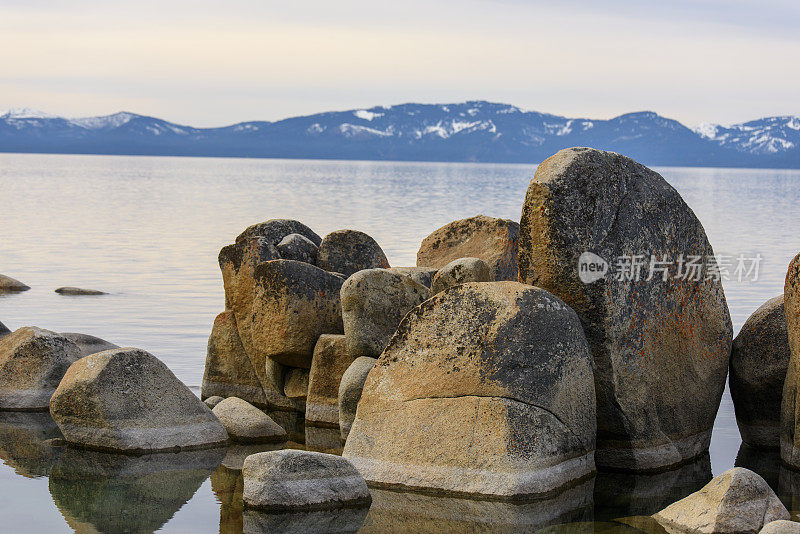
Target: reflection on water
24, 444
341, 521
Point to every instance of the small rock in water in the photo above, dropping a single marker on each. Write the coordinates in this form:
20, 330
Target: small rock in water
8, 284
350, 251
293, 479
737, 501
781, 526
350, 388
461, 271
247, 424
298, 247
89, 344
78, 291
213, 401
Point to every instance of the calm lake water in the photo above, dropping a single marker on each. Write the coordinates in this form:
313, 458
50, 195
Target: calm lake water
148, 230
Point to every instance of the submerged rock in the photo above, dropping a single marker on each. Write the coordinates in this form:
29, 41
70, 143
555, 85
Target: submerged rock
485, 389
461, 271
660, 343
247, 424
127, 400
492, 240
32, 363
89, 344
79, 291
737, 501
331, 360
291, 479
350, 251
374, 301
759, 359
298, 247
11, 285
790, 415
350, 388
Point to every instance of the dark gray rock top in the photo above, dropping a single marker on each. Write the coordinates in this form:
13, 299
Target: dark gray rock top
350, 251
69, 290
8, 284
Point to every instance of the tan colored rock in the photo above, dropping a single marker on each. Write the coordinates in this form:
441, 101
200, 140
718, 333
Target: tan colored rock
374, 301
461, 271
350, 388
296, 383
331, 360
32, 363
782, 526
127, 400
485, 389
790, 408
492, 240
737, 501
350, 251
661, 344
247, 424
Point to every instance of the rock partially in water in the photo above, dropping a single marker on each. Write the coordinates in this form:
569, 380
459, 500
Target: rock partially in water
331, 360
790, 415
492, 240
299, 248
781, 526
350, 251
247, 424
103, 492
89, 344
296, 480
485, 389
294, 303
11, 285
342, 521
213, 401
737, 501
661, 343
28, 442
75, 291
759, 359
350, 389
32, 363
374, 301
421, 275
460, 271
127, 400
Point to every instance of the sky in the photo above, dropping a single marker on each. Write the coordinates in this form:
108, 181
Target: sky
213, 63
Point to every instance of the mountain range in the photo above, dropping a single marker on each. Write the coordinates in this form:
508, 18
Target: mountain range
476, 131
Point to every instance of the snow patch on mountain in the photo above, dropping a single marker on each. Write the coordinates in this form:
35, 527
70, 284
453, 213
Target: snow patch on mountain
366, 114
108, 121
26, 113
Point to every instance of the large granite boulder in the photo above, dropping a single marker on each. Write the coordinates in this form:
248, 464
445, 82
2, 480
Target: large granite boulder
461, 271
331, 360
32, 363
490, 239
781, 526
11, 285
422, 275
127, 400
349, 251
350, 388
299, 248
759, 359
737, 501
247, 424
790, 410
89, 344
485, 389
293, 304
292, 479
374, 301
661, 343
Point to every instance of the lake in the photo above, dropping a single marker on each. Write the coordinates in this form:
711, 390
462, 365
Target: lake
148, 230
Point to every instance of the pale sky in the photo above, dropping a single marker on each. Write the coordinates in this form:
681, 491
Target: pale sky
207, 63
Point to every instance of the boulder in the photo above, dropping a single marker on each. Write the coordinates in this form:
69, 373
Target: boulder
349, 251
238, 263
293, 304
78, 291
759, 359
331, 360
422, 275
213, 401
782, 526
790, 414
737, 501
32, 363
127, 400
460, 271
298, 247
292, 479
4, 330
485, 389
247, 424
89, 344
274, 230
492, 240
296, 383
11, 285
661, 343
350, 388
374, 301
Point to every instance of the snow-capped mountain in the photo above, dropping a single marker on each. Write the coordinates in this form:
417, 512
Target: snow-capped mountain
470, 131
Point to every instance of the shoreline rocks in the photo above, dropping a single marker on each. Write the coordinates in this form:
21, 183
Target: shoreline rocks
11, 285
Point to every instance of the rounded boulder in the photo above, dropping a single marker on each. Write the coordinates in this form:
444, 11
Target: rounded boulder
350, 251
461, 271
247, 424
